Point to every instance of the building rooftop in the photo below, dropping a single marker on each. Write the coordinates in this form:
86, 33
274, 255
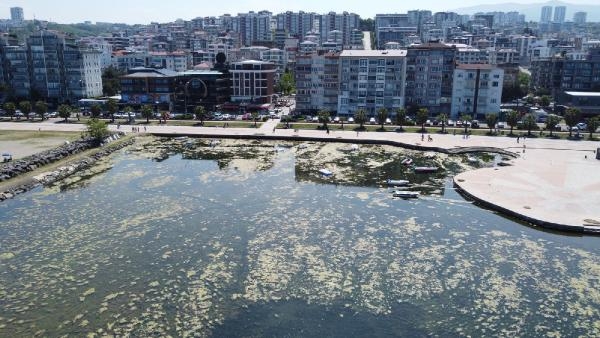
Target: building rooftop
373, 53
471, 66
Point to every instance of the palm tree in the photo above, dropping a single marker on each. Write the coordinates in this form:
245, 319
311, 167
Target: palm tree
324, 118
593, 124
400, 117
64, 111
147, 112
382, 115
41, 108
200, 114
254, 115
112, 107
422, 115
25, 107
95, 109
545, 100
529, 123
572, 116
465, 118
512, 119
443, 118
360, 117
491, 120
551, 122
10, 109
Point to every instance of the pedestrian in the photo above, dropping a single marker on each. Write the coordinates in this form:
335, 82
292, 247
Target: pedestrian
144, 128
518, 139
422, 137
357, 133
327, 130
429, 138
274, 128
453, 131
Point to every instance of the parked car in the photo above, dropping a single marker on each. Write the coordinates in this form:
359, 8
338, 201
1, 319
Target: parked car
351, 120
336, 119
388, 121
372, 120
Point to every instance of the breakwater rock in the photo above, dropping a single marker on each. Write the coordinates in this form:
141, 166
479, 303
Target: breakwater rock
61, 172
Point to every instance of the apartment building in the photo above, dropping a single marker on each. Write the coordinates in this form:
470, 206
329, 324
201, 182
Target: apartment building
252, 81
370, 80
476, 90
317, 82
430, 67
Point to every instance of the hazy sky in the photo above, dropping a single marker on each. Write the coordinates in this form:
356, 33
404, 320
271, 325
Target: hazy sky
145, 11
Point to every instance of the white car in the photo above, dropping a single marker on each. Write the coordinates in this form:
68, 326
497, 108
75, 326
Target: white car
372, 121
388, 121
351, 120
336, 119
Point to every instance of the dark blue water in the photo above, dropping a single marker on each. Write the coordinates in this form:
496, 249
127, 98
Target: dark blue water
246, 241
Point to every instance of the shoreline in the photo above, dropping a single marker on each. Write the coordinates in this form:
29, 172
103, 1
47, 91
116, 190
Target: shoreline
548, 184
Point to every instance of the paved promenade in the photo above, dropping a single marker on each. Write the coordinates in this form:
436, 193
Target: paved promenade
550, 183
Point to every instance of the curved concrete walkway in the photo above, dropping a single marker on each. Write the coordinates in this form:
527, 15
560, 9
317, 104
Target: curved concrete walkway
551, 182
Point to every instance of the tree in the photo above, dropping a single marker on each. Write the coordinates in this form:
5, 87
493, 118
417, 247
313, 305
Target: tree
400, 117
97, 130
41, 108
111, 84
529, 123
572, 116
128, 110
465, 118
64, 111
551, 122
592, 124
254, 115
112, 107
491, 120
512, 119
10, 109
324, 118
286, 83
382, 115
443, 119
95, 109
360, 117
287, 119
545, 100
200, 114
25, 107
422, 115
147, 112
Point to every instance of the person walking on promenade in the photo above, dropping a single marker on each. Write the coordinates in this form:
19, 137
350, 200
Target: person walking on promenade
518, 139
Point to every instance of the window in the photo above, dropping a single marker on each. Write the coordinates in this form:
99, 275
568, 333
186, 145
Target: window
495, 84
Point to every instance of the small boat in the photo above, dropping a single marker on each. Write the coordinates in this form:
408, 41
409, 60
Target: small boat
354, 147
406, 194
472, 160
397, 183
426, 169
407, 161
325, 172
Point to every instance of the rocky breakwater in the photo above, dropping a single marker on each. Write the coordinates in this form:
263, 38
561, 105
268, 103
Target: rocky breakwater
60, 172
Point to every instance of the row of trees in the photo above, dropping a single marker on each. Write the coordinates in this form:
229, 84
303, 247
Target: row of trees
572, 117
39, 107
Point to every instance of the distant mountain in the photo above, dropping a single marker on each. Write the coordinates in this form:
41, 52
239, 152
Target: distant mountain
533, 11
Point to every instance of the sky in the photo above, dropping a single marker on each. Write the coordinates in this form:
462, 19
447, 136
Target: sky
146, 11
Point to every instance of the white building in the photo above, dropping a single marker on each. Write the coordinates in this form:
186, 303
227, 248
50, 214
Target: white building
476, 90
99, 44
317, 81
370, 80
16, 14
92, 73
175, 61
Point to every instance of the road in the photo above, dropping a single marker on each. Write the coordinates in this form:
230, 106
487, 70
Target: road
367, 40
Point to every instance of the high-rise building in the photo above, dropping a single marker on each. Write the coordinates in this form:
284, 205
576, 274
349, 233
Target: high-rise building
253, 81
560, 14
580, 17
429, 77
317, 82
51, 67
546, 14
16, 14
370, 80
476, 90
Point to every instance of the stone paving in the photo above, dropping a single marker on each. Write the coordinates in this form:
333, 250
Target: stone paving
552, 182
